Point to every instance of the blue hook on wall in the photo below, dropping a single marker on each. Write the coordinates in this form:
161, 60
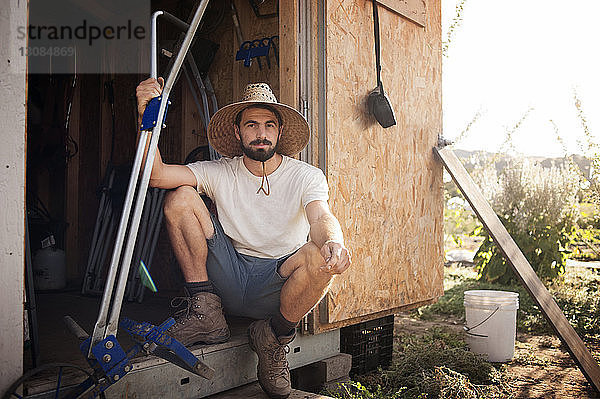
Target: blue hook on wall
256, 48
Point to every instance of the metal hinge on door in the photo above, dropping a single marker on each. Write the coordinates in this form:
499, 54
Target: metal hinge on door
305, 108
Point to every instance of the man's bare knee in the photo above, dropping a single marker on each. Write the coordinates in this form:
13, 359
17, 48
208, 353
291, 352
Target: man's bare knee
312, 254
184, 202
183, 205
307, 256
181, 201
314, 262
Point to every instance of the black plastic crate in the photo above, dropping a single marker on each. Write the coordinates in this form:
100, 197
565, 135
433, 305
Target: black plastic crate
370, 344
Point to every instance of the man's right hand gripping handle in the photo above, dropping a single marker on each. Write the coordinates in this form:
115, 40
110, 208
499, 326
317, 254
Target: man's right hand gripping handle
146, 91
163, 175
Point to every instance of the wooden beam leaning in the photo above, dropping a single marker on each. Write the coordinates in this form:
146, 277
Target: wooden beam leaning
580, 354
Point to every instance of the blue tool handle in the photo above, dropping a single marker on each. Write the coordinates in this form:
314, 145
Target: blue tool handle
150, 116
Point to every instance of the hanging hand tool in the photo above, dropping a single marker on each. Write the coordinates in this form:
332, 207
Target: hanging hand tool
255, 49
378, 103
204, 91
240, 38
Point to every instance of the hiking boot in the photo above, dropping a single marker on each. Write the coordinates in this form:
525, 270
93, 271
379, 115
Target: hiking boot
272, 370
201, 320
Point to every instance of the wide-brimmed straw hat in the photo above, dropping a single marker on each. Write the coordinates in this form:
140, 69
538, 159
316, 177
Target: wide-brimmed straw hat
221, 134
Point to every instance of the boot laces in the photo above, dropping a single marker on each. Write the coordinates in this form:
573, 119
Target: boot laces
178, 302
280, 363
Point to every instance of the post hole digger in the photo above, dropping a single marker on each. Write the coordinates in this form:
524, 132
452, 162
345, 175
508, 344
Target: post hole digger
111, 362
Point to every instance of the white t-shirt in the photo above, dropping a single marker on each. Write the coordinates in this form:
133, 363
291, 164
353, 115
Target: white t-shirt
258, 225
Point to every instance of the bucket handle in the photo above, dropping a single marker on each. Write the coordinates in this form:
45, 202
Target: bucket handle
468, 329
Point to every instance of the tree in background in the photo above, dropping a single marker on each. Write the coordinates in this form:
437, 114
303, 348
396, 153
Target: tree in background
538, 207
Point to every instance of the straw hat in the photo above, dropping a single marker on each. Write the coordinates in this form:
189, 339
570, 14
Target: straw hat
221, 135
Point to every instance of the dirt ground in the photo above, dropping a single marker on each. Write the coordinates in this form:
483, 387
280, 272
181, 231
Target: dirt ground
541, 368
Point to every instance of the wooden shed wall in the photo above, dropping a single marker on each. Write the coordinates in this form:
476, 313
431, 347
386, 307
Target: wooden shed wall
229, 77
385, 184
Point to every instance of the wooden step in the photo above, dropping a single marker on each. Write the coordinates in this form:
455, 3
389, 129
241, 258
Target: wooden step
254, 391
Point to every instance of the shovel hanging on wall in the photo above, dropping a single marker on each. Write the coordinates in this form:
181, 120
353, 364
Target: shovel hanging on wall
378, 102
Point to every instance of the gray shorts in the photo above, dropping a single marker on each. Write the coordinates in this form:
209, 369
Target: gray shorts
248, 286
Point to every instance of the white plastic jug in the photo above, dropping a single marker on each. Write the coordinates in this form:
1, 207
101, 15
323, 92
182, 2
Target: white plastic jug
49, 269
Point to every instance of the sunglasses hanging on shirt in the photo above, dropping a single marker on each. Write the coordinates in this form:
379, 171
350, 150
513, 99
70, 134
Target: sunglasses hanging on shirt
378, 102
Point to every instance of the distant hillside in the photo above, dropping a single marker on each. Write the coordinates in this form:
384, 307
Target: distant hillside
471, 159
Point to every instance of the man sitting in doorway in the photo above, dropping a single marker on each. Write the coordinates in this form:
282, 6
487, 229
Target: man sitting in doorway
254, 260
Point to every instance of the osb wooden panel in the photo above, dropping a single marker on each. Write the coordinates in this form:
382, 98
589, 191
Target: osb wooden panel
385, 184
411, 9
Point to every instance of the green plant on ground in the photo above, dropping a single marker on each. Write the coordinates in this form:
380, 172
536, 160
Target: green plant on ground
436, 364
459, 220
589, 217
538, 208
577, 295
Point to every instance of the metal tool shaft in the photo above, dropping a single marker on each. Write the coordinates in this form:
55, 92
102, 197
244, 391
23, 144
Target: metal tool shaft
100, 326
198, 78
154, 37
113, 322
114, 302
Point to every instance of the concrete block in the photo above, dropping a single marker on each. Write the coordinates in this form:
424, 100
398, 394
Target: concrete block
335, 367
314, 376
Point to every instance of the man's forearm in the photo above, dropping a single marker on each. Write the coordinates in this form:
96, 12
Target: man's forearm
326, 228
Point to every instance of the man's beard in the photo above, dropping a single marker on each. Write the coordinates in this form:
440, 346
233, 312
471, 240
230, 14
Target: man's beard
260, 154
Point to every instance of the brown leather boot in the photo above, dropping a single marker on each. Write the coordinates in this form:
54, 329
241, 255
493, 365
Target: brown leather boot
272, 370
201, 320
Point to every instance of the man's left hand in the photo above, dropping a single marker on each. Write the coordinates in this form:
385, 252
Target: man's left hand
337, 257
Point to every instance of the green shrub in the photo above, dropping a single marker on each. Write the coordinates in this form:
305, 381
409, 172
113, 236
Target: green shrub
459, 222
577, 295
538, 207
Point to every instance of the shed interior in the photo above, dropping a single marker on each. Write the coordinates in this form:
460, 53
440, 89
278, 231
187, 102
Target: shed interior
68, 170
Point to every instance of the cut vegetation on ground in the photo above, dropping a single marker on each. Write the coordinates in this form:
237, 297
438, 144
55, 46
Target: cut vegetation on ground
432, 360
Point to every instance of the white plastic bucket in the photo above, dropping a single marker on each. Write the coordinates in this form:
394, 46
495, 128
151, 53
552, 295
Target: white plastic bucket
491, 323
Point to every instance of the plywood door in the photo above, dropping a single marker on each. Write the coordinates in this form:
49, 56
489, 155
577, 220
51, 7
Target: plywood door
385, 184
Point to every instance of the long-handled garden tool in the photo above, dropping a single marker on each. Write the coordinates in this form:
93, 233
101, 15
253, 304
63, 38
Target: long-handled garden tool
102, 350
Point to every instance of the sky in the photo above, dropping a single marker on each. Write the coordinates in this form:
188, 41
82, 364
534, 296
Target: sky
508, 57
